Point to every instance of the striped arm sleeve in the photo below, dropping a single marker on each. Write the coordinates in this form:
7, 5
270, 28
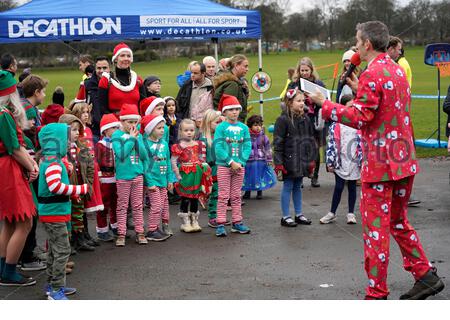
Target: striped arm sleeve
53, 179
202, 150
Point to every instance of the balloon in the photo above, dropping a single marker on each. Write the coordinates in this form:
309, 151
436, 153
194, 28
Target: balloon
271, 128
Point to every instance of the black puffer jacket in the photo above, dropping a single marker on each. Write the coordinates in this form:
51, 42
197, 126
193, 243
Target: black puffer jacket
294, 145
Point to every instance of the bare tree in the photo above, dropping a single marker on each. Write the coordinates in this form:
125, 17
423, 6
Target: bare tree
7, 4
329, 14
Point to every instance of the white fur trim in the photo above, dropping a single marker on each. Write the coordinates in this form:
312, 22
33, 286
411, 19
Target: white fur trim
152, 124
121, 51
106, 144
130, 117
109, 125
95, 209
108, 180
153, 105
102, 230
116, 84
235, 106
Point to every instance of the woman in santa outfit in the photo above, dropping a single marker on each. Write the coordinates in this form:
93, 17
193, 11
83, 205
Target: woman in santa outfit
121, 86
17, 170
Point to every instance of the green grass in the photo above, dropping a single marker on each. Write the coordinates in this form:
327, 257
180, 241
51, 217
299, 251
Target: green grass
424, 112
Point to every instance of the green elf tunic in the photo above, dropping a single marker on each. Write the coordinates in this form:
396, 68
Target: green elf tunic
194, 171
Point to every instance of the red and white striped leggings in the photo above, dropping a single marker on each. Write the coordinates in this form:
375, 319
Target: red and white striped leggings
125, 189
230, 184
159, 208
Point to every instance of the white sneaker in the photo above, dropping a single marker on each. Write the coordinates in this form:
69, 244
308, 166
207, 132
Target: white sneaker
351, 218
329, 217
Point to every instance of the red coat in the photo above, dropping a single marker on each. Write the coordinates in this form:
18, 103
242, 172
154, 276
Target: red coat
381, 110
118, 94
105, 159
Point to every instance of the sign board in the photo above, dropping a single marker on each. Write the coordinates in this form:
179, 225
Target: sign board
261, 82
437, 53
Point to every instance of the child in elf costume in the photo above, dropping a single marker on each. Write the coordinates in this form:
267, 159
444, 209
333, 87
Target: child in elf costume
105, 159
82, 164
129, 155
54, 207
232, 146
193, 174
159, 177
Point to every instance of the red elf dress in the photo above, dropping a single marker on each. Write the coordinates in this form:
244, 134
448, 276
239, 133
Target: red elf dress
95, 202
16, 199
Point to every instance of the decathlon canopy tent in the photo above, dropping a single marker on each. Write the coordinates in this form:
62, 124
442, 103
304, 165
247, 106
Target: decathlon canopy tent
50, 20
102, 20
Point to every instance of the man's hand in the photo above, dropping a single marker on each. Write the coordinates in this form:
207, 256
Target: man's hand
318, 98
352, 82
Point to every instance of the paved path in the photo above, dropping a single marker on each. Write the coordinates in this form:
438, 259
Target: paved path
272, 262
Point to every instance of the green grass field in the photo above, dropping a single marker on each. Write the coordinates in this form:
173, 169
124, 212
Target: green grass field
424, 112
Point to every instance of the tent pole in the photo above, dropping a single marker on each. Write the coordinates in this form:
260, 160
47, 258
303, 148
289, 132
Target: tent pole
216, 52
261, 96
439, 109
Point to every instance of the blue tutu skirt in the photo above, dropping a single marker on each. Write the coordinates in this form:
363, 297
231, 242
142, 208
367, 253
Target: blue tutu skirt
258, 176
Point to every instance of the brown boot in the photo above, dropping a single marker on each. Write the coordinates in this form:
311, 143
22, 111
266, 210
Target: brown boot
429, 285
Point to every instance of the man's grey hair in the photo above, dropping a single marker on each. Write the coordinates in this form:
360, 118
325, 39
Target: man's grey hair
209, 59
376, 32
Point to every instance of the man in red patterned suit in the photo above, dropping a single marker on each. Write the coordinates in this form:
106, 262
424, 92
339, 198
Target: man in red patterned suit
381, 110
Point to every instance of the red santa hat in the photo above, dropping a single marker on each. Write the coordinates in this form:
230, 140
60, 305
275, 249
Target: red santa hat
120, 48
108, 121
129, 112
228, 102
149, 123
149, 104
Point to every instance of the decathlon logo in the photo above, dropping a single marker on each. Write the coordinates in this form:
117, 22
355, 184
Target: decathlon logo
64, 27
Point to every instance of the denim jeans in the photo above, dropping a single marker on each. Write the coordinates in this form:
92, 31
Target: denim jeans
291, 186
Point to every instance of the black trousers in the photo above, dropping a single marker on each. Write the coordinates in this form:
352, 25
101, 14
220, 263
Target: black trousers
185, 204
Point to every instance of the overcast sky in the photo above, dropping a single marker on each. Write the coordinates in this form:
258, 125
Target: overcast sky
296, 5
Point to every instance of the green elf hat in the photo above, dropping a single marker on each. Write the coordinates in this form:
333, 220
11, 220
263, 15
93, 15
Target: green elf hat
30, 111
7, 83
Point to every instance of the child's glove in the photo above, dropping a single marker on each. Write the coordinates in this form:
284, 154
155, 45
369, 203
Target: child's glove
280, 168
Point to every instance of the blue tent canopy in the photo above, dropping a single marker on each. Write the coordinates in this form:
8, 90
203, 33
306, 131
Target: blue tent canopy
68, 20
